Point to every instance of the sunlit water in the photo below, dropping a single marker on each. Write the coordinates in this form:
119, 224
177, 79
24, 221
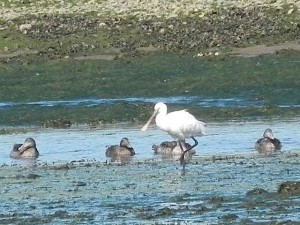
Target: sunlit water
151, 190
184, 100
229, 138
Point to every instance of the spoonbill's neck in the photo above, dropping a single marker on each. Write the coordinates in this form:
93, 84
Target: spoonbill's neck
161, 120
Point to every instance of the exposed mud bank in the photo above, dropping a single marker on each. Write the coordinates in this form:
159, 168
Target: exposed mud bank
225, 189
209, 30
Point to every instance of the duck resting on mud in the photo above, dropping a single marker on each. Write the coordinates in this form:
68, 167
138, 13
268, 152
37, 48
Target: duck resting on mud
27, 150
268, 144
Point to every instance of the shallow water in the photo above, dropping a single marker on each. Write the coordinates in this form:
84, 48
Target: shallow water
184, 100
76, 144
231, 102
150, 190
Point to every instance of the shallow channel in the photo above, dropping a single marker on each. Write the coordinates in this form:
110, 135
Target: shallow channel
71, 182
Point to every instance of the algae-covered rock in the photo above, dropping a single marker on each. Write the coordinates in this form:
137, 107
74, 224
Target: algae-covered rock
289, 187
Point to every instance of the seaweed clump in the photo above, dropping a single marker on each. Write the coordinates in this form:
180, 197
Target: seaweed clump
59, 123
289, 187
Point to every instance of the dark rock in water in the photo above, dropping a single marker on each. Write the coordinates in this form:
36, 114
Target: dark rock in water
80, 184
165, 212
216, 200
61, 214
33, 176
200, 209
257, 191
289, 187
230, 217
287, 222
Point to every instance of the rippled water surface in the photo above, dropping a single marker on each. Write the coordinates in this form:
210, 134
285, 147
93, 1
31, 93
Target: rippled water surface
185, 100
150, 190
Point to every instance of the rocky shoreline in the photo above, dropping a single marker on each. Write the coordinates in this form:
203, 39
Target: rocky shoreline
56, 29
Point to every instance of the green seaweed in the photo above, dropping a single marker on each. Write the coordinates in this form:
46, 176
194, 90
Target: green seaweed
271, 78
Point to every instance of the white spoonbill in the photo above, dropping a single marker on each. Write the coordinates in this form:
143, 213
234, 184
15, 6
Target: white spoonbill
179, 124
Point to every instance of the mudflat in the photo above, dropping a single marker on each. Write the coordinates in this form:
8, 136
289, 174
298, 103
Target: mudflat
221, 189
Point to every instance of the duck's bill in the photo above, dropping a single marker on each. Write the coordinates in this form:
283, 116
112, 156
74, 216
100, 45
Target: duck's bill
22, 148
145, 127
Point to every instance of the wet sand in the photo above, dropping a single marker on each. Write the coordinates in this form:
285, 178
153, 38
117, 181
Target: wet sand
258, 50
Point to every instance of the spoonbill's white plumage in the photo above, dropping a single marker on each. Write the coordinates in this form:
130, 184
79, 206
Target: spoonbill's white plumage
179, 124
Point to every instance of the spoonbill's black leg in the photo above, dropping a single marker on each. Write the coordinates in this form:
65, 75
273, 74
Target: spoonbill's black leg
182, 162
181, 159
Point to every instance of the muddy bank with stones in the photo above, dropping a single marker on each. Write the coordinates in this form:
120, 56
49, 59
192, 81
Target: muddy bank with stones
34, 35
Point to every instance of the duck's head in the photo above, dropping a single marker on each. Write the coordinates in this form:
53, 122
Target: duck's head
28, 143
125, 143
268, 134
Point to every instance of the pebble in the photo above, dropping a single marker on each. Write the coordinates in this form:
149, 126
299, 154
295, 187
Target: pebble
24, 28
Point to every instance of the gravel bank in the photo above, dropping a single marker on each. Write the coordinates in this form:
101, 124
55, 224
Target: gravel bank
59, 29
141, 8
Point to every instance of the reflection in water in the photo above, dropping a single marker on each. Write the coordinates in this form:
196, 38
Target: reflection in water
122, 159
29, 163
176, 157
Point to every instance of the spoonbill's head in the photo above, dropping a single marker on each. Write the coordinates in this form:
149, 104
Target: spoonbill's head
158, 108
268, 134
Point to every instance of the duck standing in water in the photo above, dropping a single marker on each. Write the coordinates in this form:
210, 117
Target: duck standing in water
27, 150
124, 149
268, 144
